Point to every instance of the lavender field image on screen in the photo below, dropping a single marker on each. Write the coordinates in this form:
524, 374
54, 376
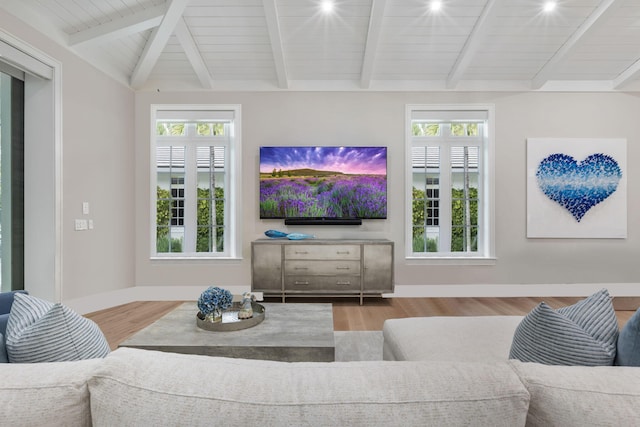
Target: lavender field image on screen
323, 182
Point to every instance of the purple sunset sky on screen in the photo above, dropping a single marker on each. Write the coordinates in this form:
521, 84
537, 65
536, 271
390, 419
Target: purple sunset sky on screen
349, 160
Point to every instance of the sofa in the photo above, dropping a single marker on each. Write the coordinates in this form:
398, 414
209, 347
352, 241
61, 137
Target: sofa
558, 395
133, 387
438, 371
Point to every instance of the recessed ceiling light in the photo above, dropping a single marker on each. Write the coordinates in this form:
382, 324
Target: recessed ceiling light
549, 6
326, 6
435, 5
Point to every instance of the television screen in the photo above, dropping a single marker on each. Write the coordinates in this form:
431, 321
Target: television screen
323, 182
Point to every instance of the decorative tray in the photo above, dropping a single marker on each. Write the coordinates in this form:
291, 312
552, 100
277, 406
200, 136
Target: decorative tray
230, 321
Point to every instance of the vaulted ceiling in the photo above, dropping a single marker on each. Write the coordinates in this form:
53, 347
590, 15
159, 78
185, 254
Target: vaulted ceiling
360, 45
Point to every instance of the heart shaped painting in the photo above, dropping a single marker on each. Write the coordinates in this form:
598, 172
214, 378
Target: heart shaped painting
578, 186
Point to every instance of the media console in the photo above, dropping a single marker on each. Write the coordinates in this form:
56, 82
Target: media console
322, 267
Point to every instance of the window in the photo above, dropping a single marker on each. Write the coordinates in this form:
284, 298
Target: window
449, 178
195, 177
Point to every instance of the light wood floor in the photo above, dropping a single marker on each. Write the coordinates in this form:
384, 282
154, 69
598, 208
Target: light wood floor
121, 322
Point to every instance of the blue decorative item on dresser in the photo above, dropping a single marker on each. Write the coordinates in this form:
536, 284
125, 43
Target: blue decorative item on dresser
275, 234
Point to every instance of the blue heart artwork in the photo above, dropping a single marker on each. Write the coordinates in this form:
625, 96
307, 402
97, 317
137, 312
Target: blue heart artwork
578, 186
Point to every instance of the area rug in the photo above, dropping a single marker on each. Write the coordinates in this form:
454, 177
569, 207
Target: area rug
358, 345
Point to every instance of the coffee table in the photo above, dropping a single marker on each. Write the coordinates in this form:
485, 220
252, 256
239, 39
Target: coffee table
289, 332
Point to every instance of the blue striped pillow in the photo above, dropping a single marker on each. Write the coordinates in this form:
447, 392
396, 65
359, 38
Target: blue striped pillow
582, 334
40, 331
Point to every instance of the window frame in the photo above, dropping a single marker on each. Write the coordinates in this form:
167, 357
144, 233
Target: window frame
232, 181
486, 155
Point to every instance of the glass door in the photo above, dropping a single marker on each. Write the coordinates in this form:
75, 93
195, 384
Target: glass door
11, 183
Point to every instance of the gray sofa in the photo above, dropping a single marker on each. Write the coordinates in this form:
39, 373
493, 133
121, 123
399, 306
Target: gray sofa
476, 386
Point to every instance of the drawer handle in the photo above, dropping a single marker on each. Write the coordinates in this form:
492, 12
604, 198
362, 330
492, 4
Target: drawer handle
347, 283
343, 268
301, 252
301, 268
343, 252
301, 283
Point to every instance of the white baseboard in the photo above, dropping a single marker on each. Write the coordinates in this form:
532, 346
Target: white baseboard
511, 290
98, 302
102, 301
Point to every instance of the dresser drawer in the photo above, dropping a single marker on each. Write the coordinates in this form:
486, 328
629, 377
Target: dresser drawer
333, 268
321, 252
326, 283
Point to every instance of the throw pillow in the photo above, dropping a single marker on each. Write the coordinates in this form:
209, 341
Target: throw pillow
628, 353
40, 331
582, 334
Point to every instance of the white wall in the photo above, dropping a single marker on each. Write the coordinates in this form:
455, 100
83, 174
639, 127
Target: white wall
97, 166
370, 118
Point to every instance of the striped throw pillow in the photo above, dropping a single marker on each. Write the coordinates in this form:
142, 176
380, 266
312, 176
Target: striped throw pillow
582, 334
40, 331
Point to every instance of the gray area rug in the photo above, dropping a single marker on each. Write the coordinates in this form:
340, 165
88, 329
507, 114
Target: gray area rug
358, 345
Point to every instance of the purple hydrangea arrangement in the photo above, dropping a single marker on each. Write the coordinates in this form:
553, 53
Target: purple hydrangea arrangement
214, 298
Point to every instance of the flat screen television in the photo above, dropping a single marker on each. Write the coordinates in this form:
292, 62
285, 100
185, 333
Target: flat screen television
323, 184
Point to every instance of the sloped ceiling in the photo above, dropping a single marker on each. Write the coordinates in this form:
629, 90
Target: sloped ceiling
360, 45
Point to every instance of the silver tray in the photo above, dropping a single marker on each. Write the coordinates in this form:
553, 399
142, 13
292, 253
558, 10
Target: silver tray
230, 321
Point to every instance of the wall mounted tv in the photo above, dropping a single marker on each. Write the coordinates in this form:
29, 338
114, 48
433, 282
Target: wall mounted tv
323, 185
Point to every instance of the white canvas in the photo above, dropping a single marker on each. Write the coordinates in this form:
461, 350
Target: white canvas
576, 188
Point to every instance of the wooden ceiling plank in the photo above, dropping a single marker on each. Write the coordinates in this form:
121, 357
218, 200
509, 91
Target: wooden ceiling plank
193, 54
273, 26
157, 42
599, 17
113, 30
373, 41
476, 37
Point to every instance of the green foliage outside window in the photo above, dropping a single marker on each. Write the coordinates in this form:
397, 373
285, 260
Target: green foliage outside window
459, 224
464, 129
163, 219
179, 129
164, 245
209, 129
425, 129
166, 129
204, 221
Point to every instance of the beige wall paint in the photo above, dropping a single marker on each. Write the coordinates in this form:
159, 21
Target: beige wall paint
106, 146
374, 118
97, 166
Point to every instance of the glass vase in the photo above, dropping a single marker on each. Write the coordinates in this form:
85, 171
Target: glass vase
215, 316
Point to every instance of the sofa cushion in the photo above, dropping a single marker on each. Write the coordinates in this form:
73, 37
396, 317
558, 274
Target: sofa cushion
143, 387
40, 331
4, 318
582, 334
467, 338
628, 346
579, 395
6, 301
51, 394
